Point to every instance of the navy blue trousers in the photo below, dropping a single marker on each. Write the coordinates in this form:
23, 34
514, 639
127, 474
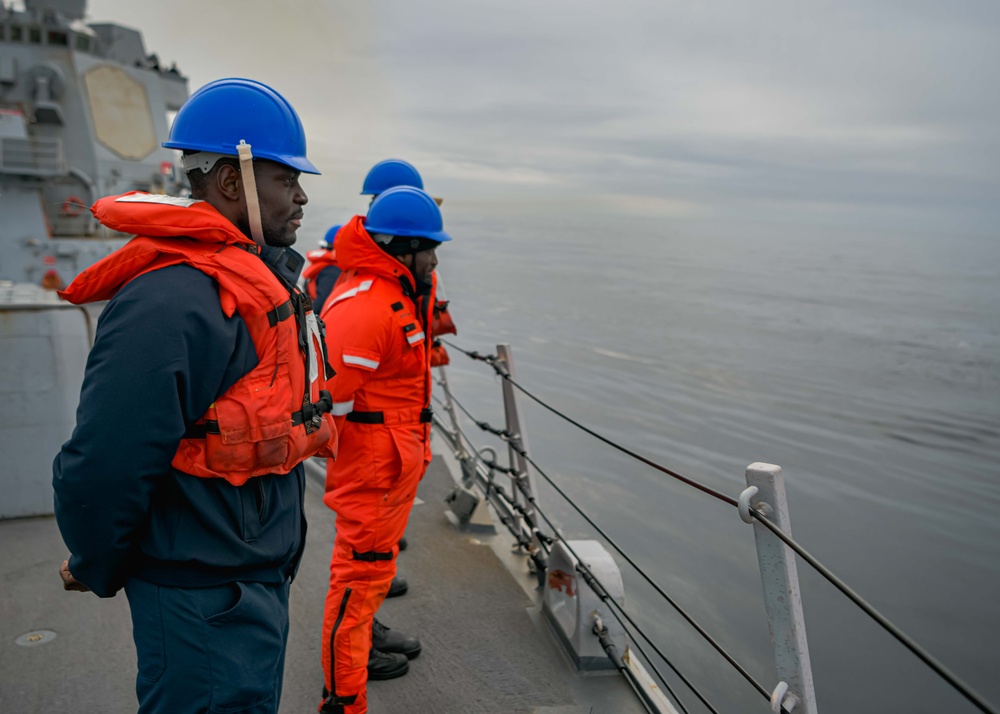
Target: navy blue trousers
213, 650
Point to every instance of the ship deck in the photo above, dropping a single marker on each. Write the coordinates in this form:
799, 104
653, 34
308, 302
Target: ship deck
486, 647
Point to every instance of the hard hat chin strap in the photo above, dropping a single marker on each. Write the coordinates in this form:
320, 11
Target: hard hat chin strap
250, 191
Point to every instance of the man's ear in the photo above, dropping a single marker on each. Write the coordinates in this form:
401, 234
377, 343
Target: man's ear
228, 181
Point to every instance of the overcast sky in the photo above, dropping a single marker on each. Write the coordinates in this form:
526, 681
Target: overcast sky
882, 113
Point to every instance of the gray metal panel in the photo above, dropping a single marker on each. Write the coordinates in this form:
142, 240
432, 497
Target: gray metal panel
43, 353
70, 9
23, 234
165, 92
121, 44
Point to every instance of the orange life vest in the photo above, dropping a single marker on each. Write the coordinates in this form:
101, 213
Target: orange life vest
443, 324
276, 415
439, 355
319, 260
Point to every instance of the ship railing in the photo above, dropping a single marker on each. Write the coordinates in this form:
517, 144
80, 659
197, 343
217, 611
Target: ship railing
762, 503
37, 156
25, 297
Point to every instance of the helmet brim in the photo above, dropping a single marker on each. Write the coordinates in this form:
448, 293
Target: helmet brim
299, 163
437, 236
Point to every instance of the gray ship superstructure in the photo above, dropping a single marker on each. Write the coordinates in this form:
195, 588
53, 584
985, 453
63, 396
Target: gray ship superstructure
83, 109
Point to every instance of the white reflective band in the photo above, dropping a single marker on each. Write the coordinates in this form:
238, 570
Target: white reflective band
316, 341
366, 285
360, 361
157, 198
415, 337
342, 408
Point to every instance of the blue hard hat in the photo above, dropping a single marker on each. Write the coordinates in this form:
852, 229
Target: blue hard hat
406, 211
389, 174
225, 112
327, 241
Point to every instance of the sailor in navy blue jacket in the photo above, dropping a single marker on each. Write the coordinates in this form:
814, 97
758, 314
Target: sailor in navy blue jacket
206, 565
164, 353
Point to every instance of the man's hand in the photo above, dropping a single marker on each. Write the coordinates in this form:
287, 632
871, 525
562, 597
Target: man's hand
69, 582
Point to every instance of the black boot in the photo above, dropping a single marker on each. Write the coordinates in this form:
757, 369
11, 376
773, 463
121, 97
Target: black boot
386, 639
386, 665
398, 587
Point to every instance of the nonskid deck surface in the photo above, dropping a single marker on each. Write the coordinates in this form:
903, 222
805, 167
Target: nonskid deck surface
485, 648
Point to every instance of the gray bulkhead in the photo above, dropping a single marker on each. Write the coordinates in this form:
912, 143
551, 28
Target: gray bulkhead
83, 110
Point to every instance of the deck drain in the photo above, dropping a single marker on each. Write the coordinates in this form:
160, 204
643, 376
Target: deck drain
33, 639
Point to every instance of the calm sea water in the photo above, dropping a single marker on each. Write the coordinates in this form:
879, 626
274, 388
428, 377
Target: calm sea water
866, 365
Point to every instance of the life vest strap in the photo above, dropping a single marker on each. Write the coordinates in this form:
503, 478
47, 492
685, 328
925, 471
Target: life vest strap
198, 431
426, 416
312, 413
280, 313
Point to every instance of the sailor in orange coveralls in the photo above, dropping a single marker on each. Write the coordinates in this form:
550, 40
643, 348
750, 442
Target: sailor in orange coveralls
379, 343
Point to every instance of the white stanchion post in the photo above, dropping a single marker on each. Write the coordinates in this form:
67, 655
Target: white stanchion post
515, 426
780, 580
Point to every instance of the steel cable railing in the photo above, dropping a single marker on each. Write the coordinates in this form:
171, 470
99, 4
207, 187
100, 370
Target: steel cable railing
939, 668
881, 619
690, 620
503, 434
515, 532
523, 539
602, 593
589, 577
493, 362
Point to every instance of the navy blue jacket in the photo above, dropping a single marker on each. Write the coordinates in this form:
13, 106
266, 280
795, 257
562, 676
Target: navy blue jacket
164, 351
325, 282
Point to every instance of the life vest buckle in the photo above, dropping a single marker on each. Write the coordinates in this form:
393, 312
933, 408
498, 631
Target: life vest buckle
311, 416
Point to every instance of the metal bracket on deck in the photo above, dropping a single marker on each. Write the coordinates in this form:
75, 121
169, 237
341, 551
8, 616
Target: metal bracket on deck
570, 605
468, 512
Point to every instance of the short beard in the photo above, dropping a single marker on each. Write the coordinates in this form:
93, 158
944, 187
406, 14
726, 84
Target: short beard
285, 240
